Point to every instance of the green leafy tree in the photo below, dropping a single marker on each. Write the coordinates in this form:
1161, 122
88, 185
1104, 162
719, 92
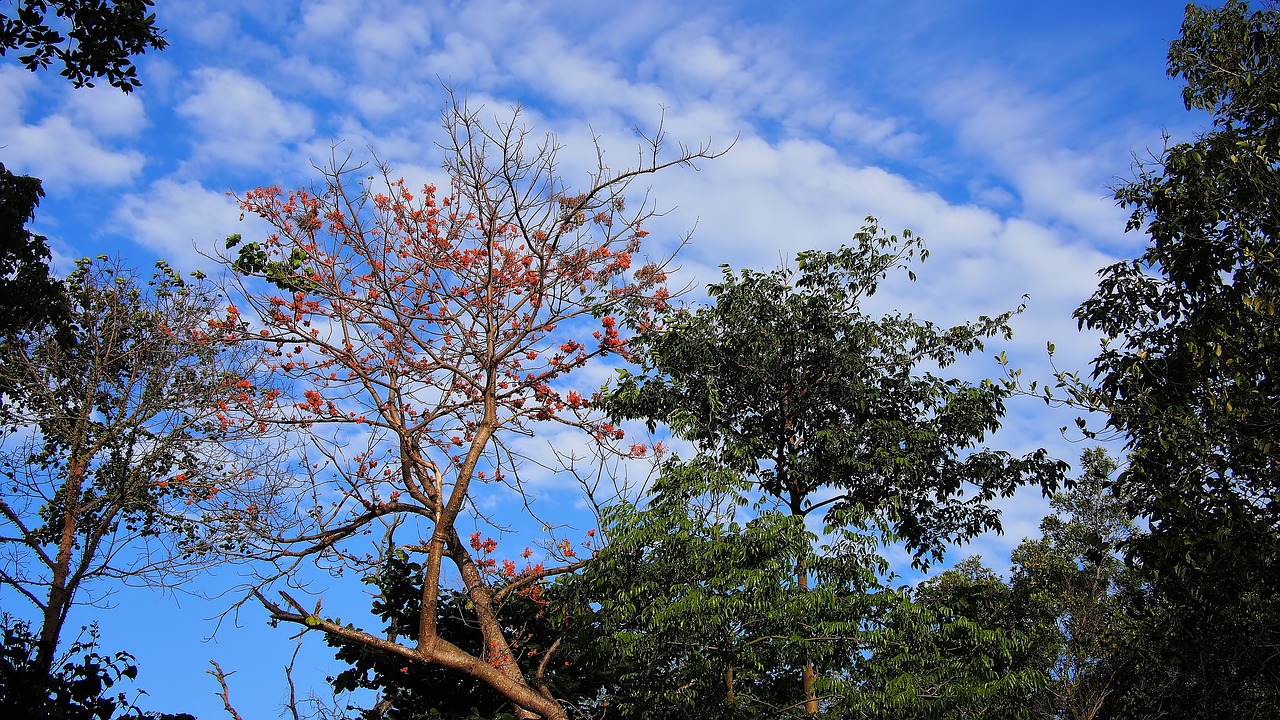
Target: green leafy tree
90, 39
696, 605
1055, 641
83, 686
1188, 371
786, 381
29, 295
112, 441
1075, 595
954, 646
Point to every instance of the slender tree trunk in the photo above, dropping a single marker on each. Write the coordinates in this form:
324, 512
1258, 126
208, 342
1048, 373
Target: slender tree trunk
445, 542
810, 698
60, 595
802, 579
496, 644
728, 683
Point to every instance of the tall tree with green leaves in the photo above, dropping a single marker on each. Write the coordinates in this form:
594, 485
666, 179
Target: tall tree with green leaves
1189, 372
1050, 642
956, 645
695, 602
1074, 593
29, 295
786, 381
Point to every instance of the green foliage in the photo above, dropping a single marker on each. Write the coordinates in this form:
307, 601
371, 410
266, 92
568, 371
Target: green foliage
952, 647
253, 259
1188, 372
84, 686
785, 379
698, 609
701, 613
1074, 596
91, 39
29, 296
1052, 642
714, 598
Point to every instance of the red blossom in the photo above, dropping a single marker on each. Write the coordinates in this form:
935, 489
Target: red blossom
442, 319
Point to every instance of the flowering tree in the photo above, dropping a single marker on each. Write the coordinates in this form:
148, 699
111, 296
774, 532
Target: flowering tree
433, 330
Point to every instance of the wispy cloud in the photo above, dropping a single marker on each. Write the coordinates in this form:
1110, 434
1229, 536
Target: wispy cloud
70, 144
240, 122
182, 222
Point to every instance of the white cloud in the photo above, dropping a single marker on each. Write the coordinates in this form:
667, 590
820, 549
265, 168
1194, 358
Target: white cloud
327, 18
881, 133
375, 102
462, 60
392, 38
182, 221
213, 28
241, 121
64, 155
107, 112
550, 65
696, 61
311, 80
14, 86
65, 148
1020, 134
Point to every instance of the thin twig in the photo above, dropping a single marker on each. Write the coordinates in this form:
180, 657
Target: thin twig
221, 677
288, 676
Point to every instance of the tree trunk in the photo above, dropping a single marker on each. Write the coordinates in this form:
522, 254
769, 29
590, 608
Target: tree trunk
728, 683
808, 675
810, 699
60, 595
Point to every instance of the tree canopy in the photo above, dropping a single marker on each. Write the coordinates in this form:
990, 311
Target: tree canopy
437, 329
796, 399
108, 441
1188, 373
786, 379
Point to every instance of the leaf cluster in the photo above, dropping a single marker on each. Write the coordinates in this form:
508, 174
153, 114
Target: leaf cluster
786, 379
91, 39
29, 295
85, 685
712, 601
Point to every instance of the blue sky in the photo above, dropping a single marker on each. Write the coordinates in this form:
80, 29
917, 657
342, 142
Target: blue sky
992, 129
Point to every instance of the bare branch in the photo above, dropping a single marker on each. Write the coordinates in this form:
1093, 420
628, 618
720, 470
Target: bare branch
221, 677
